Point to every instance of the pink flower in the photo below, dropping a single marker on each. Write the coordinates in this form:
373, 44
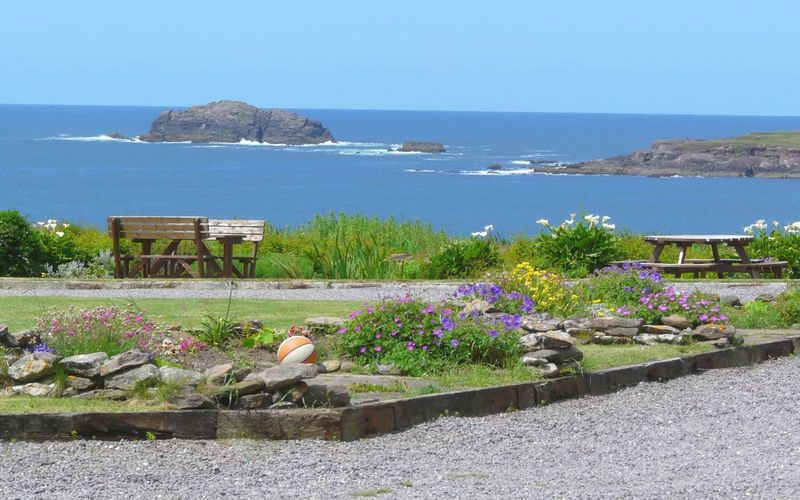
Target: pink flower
378, 348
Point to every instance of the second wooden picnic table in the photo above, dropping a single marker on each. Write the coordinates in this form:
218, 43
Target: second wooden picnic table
717, 264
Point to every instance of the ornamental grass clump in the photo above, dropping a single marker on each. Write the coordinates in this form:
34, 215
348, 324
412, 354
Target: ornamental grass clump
422, 338
111, 330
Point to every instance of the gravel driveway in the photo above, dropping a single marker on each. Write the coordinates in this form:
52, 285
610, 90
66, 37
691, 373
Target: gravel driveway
308, 290
723, 434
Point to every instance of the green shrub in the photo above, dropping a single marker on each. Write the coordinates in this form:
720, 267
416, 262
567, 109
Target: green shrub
463, 259
788, 305
619, 285
20, 247
577, 247
778, 244
631, 246
758, 314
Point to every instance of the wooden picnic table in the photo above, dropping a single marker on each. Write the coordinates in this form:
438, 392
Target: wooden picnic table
718, 265
198, 230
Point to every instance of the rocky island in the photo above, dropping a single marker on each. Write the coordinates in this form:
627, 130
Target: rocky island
421, 147
772, 154
234, 121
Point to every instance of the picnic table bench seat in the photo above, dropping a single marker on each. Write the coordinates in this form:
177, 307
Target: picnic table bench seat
230, 232
726, 266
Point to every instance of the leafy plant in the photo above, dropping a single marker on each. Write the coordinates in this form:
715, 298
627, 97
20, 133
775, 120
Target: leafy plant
577, 247
20, 248
463, 259
779, 243
261, 339
216, 331
549, 292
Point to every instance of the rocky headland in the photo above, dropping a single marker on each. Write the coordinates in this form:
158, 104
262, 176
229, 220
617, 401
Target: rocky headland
421, 147
774, 154
234, 121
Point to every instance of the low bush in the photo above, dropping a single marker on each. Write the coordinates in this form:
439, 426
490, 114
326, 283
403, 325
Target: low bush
619, 285
421, 338
464, 259
20, 248
779, 243
578, 246
695, 307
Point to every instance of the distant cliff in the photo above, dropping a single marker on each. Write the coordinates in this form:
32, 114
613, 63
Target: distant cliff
233, 121
774, 154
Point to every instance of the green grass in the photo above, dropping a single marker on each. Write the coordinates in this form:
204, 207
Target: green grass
789, 138
598, 357
28, 404
21, 312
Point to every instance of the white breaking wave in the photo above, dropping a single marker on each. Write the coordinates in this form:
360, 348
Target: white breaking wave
481, 173
92, 138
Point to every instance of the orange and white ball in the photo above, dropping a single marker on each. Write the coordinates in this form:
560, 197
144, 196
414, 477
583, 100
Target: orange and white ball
297, 349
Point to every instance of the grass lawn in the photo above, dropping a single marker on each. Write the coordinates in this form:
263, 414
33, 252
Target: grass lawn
21, 312
28, 404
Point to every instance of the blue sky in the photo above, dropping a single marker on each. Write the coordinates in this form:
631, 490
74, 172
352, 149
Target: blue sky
694, 57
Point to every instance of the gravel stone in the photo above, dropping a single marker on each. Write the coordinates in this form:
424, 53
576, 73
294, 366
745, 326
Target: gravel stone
659, 431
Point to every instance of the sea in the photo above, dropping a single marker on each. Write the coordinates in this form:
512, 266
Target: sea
58, 162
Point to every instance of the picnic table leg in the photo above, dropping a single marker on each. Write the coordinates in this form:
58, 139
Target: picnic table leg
742, 253
657, 249
147, 246
227, 259
717, 260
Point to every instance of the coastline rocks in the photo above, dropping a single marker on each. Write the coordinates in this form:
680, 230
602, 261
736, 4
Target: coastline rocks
421, 147
235, 121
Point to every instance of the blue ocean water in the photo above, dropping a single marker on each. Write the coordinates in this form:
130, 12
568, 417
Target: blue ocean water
55, 163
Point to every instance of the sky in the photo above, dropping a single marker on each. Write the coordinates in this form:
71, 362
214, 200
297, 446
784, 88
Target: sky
605, 56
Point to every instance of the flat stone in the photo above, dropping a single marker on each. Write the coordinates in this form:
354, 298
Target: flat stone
283, 405
27, 338
557, 339
558, 355
713, 332
240, 374
766, 297
179, 376
529, 360
579, 332
258, 401
676, 321
284, 376
603, 339
6, 339
125, 381
84, 365
331, 365
216, 375
387, 369
347, 366
249, 386
124, 361
112, 394
548, 370
34, 389
322, 394
646, 339
295, 393
619, 331
81, 383
32, 367
660, 329
605, 324
730, 300
667, 338
530, 342
536, 325
190, 401
583, 323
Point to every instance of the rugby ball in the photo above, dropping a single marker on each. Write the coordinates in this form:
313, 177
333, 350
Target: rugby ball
297, 349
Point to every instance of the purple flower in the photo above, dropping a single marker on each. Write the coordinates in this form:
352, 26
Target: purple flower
363, 349
425, 348
410, 346
454, 343
377, 348
493, 333
703, 317
438, 333
342, 330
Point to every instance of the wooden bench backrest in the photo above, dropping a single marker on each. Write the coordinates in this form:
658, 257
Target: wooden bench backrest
250, 230
150, 228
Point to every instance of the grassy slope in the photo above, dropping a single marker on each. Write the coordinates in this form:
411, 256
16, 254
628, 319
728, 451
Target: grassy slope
21, 312
789, 139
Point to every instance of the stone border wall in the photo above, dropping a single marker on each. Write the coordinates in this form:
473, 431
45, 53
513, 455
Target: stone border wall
375, 418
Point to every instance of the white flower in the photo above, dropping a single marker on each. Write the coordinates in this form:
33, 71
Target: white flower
543, 222
65, 225
606, 218
748, 229
592, 219
609, 226
40, 224
52, 221
60, 233
760, 224
484, 233
488, 228
776, 223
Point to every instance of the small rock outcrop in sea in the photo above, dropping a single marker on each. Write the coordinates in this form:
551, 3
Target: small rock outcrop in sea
775, 154
117, 135
421, 147
234, 121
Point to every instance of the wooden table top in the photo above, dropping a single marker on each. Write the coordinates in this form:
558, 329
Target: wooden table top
699, 238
